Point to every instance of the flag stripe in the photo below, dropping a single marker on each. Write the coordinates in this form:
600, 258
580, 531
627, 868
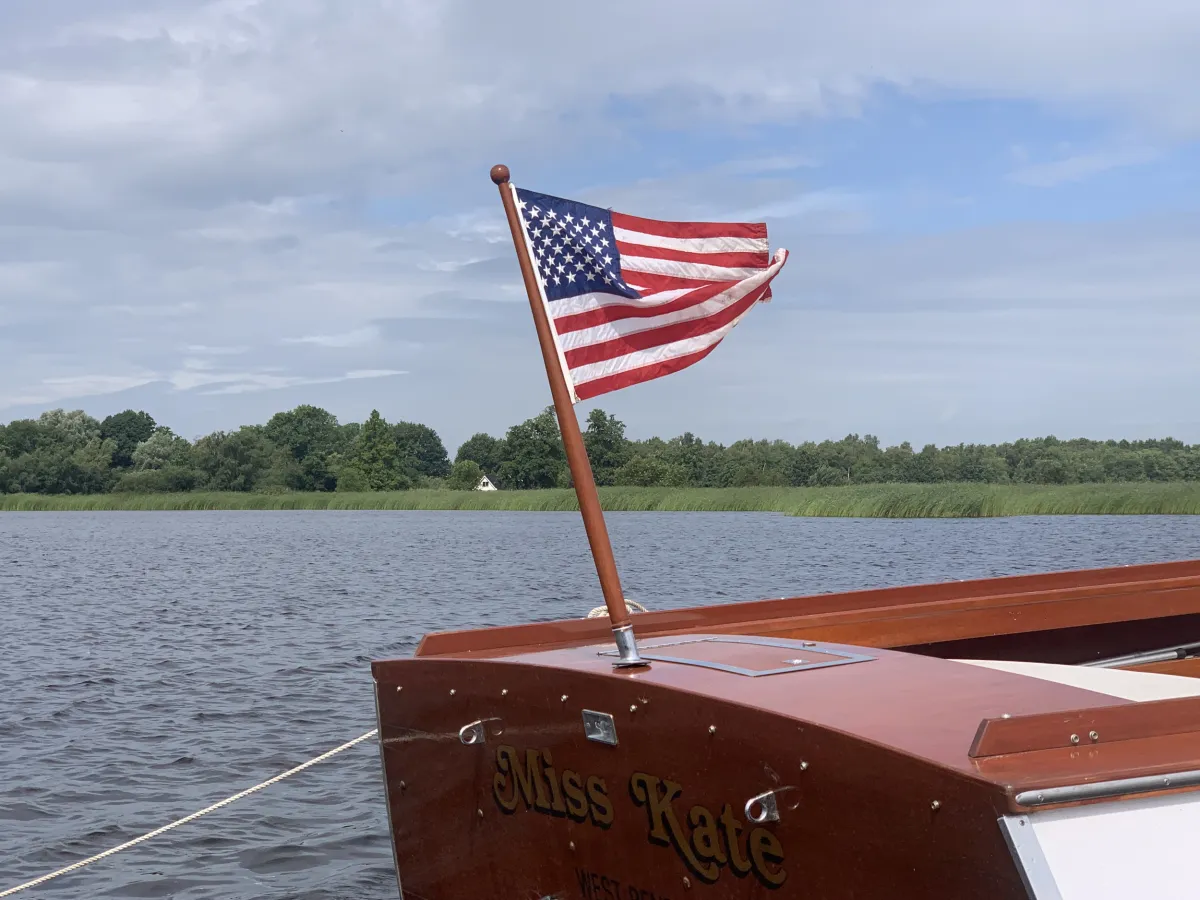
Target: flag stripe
632, 266
676, 300
630, 377
643, 358
694, 244
647, 283
689, 229
670, 333
757, 260
569, 306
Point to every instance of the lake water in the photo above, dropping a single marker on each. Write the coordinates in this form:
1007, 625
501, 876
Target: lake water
152, 663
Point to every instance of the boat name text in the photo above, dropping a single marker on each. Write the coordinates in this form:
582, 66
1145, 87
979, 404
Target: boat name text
710, 843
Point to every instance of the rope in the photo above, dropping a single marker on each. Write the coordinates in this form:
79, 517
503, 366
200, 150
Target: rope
195, 815
601, 612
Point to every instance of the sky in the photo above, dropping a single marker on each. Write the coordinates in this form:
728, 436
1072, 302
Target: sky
215, 211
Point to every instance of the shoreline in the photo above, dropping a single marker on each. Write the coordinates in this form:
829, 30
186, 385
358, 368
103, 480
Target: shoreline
947, 500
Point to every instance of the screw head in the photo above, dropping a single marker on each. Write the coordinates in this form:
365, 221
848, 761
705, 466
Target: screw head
687, 882
712, 729
564, 698
480, 811
399, 689
1074, 739
1094, 735
453, 692
504, 692
935, 805
803, 766
633, 707
571, 845
403, 786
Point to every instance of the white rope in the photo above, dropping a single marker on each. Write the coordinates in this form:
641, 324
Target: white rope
601, 612
195, 815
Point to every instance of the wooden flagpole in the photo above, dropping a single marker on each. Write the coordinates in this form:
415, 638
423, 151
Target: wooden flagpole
568, 424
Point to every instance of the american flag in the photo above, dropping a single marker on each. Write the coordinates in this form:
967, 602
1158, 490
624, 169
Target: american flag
633, 299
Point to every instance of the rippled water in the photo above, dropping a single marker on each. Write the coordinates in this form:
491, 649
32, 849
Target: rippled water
152, 663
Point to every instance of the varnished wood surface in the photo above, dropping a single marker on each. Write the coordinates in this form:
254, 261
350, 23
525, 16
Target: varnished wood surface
878, 793
856, 819
921, 616
922, 706
1088, 727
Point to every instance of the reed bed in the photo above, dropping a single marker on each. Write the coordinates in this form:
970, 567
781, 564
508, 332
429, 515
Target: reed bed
897, 501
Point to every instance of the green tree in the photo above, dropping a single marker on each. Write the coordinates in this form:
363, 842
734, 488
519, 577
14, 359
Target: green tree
72, 429
128, 429
464, 476
233, 461
421, 449
304, 431
376, 456
161, 449
650, 471
534, 457
607, 448
485, 451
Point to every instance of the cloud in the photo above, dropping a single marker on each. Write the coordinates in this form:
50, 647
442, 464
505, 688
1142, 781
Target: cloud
206, 196
1082, 166
354, 338
53, 390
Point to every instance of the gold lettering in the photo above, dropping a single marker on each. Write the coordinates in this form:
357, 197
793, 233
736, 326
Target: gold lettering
733, 828
705, 839
602, 811
763, 846
556, 797
505, 756
577, 804
664, 827
530, 781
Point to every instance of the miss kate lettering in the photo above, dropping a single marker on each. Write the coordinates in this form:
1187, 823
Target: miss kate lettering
707, 842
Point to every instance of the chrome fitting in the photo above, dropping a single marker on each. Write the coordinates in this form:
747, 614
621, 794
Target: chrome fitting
627, 648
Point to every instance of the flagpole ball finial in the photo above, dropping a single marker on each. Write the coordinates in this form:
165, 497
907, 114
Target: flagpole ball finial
500, 174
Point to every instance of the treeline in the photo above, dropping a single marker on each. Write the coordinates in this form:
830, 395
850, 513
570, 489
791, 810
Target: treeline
307, 449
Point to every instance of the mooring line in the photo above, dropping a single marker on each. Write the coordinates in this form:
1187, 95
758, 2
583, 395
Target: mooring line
157, 831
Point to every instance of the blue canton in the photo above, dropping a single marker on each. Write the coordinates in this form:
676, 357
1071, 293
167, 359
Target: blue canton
574, 247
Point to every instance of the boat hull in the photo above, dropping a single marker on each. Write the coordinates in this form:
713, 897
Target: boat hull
495, 789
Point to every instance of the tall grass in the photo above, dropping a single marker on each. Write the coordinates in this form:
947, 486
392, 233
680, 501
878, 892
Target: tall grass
866, 501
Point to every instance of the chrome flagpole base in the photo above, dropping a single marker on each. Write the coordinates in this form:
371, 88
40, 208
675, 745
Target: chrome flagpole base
627, 648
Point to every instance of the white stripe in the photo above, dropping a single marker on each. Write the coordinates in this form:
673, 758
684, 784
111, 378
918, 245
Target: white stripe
607, 331
569, 306
694, 245
697, 271
642, 358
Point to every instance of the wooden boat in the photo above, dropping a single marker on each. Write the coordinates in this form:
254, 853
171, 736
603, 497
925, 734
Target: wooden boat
1035, 736
831, 746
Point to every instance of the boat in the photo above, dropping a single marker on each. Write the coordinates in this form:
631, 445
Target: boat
1028, 736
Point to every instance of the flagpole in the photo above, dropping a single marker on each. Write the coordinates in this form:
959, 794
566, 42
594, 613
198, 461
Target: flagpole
568, 424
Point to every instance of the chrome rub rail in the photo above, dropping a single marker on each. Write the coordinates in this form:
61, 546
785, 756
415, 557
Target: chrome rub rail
1101, 789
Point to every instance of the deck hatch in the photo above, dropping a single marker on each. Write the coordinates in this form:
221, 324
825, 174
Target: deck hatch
748, 655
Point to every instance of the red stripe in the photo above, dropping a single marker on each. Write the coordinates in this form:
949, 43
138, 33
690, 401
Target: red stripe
689, 229
733, 260
629, 377
658, 337
649, 283
592, 317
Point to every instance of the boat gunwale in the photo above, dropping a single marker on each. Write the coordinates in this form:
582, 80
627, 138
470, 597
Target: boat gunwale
888, 605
